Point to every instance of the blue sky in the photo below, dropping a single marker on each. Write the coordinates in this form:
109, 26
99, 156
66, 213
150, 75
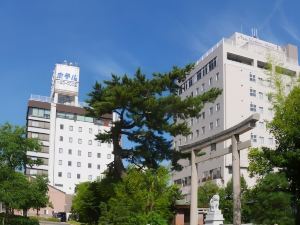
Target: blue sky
106, 37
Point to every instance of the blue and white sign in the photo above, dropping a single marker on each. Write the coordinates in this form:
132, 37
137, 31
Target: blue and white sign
66, 78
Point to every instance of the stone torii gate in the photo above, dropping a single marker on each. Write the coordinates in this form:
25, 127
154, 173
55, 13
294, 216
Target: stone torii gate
232, 133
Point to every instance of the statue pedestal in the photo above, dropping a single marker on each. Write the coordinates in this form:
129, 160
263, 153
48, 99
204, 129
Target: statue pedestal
214, 218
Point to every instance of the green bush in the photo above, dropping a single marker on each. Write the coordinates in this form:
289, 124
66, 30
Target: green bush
18, 220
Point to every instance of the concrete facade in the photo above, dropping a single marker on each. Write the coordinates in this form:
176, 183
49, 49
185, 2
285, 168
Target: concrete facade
70, 153
237, 66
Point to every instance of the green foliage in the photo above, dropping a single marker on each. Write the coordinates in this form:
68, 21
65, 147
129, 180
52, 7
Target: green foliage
89, 196
226, 201
14, 146
142, 197
205, 193
258, 163
16, 191
18, 220
38, 197
147, 108
285, 128
271, 201
13, 190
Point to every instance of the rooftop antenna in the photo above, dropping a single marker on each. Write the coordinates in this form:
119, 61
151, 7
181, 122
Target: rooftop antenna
254, 32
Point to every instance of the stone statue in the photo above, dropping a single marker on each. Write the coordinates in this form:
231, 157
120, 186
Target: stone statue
214, 215
214, 203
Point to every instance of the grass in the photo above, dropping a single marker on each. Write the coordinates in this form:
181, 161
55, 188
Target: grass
50, 219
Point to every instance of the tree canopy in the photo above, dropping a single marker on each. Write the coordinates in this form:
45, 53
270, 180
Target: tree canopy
16, 190
147, 108
143, 197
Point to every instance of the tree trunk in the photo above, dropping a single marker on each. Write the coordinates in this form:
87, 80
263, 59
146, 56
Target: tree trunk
25, 212
297, 219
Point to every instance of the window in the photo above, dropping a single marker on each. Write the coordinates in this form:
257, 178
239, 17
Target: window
69, 163
90, 142
89, 165
59, 174
271, 141
108, 156
59, 162
199, 74
98, 155
60, 150
70, 139
252, 92
191, 136
261, 140
203, 130
79, 129
218, 107
261, 125
61, 138
79, 141
70, 151
192, 121
78, 164
79, 152
69, 175
98, 167
90, 130
203, 87
217, 76
98, 143
239, 59
78, 176
90, 177
70, 128
252, 77
89, 154
203, 115
253, 138
217, 122
211, 110
180, 142
211, 125
61, 126
197, 133
260, 95
210, 81
270, 111
261, 110
252, 107
190, 82
197, 91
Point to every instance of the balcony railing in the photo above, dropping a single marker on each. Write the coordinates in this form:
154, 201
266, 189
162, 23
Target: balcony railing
40, 98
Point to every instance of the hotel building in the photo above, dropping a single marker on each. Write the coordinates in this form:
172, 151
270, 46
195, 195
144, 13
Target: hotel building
70, 153
237, 65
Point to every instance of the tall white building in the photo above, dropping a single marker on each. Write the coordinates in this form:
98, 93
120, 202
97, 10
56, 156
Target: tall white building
237, 65
70, 153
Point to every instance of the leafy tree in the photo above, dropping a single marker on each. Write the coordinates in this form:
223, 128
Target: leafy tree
259, 165
270, 200
14, 145
285, 128
142, 197
205, 193
226, 201
16, 192
89, 196
38, 197
13, 190
147, 108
